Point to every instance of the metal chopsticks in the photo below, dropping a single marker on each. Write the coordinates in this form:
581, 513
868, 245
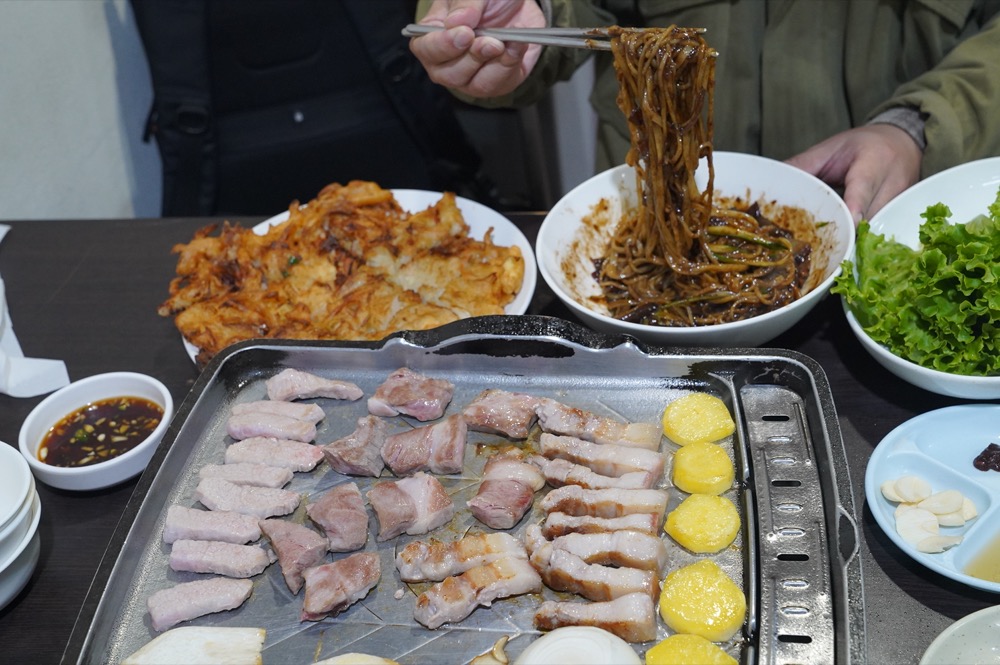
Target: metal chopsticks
588, 38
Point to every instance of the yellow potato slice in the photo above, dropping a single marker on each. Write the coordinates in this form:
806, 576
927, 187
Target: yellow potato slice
684, 649
700, 599
697, 417
703, 468
704, 523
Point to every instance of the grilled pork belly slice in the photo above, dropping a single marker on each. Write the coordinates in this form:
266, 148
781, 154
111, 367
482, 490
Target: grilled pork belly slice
564, 571
439, 448
630, 617
456, 597
559, 472
190, 600
333, 587
500, 412
311, 413
559, 524
605, 503
247, 473
262, 502
269, 425
359, 453
511, 463
342, 515
500, 504
557, 418
434, 560
607, 459
208, 556
414, 505
412, 394
226, 526
292, 455
292, 384
624, 549
298, 547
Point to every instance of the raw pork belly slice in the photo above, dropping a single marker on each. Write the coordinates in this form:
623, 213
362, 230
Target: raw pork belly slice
292, 384
456, 597
607, 459
563, 571
269, 425
433, 560
558, 418
207, 556
630, 617
311, 413
559, 472
298, 547
333, 587
246, 473
293, 455
623, 549
413, 505
190, 600
507, 491
262, 502
411, 394
342, 515
225, 526
359, 453
559, 524
605, 503
439, 448
500, 412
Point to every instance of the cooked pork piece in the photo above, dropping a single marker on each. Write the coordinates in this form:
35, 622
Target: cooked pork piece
433, 560
342, 515
411, 394
262, 502
209, 556
293, 455
510, 463
190, 600
605, 503
557, 418
624, 549
246, 473
292, 384
607, 459
500, 504
269, 425
630, 617
564, 571
500, 412
559, 524
333, 587
439, 448
298, 547
456, 597
559, 472
225, 526
311, 413
414, 505
359, 453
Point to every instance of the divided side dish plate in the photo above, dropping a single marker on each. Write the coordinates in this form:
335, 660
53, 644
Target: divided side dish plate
940, 446
787, 448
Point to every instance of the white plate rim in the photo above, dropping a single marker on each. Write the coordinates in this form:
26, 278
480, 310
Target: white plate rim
932, 655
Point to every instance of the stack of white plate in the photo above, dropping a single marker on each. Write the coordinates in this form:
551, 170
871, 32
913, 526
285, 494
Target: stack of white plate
20, 512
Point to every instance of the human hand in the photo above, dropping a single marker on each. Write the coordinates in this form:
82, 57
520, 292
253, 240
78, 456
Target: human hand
872, 163
478, 66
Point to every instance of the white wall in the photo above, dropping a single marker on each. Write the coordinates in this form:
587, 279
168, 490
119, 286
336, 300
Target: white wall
74, 93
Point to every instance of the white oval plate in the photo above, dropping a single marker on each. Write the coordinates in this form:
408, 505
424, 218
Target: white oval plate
940, 446
972, 639
480, 219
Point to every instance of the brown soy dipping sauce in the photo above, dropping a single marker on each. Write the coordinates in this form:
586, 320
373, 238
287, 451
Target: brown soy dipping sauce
100, 431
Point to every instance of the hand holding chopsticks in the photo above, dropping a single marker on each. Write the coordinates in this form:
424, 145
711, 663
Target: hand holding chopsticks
588, 38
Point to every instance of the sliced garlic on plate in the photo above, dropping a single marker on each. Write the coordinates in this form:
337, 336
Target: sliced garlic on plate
916, 524
912, 488
936, 544
943, 502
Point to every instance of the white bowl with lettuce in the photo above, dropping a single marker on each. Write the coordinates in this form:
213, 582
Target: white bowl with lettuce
923, 294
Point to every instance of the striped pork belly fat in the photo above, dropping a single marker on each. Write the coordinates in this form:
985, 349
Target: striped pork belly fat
439, 448
558, 418
497, 411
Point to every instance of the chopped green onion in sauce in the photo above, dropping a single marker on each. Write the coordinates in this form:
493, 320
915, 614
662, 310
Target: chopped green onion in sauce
100, 431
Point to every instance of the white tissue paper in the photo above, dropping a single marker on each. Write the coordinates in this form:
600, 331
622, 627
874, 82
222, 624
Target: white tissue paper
20, 376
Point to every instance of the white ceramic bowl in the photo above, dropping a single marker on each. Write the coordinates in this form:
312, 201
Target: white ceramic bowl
16, 528
974, 638
15, 484
78, 394
17, 565
967, 190
566, 246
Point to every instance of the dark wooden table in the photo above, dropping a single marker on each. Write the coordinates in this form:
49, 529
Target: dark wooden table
87, 292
